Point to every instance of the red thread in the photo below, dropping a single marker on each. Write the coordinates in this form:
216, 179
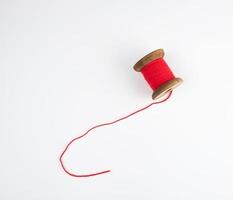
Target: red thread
98, 126
156, 73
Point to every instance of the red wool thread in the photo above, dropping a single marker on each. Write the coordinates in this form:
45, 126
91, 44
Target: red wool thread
157, 73
98, 126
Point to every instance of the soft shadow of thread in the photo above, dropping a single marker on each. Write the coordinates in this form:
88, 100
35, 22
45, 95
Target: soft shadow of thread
127, 58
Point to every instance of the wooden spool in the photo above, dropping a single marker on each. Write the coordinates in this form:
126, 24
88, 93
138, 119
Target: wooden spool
165, 87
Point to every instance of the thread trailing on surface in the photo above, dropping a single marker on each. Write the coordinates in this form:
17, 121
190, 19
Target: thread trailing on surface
98, 126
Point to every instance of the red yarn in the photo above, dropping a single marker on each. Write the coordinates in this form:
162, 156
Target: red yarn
156, 73
98, 126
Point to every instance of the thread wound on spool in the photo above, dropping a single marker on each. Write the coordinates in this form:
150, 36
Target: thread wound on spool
157, 73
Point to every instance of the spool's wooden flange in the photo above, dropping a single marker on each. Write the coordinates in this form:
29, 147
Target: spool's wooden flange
159, 53
164, 88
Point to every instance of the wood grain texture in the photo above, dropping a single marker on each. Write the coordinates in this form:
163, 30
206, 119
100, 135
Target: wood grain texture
159, 53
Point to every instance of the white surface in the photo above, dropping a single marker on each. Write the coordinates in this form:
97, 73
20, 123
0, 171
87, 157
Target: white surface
67, 65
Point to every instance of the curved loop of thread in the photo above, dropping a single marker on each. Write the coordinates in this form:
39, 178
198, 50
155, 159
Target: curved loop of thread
98, 126
156, 73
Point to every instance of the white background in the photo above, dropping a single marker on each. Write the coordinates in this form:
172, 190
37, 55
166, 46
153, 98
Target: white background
67, 65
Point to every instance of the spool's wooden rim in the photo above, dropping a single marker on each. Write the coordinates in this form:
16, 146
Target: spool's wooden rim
159, 53
166, 87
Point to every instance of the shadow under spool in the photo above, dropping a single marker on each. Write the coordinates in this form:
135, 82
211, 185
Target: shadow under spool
164, 87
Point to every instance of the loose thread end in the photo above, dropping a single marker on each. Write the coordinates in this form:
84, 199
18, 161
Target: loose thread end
89, 175
80, 175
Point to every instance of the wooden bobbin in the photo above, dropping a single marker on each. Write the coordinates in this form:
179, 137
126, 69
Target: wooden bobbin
164, 88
